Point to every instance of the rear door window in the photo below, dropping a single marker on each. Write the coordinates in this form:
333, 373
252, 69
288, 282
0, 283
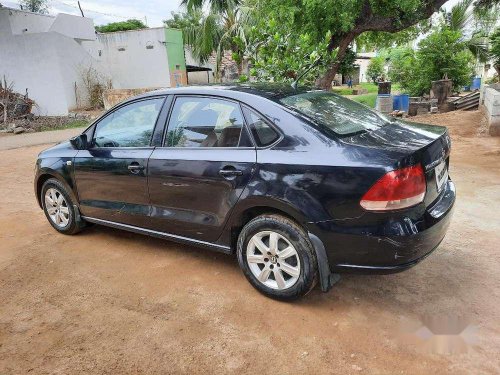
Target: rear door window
205, 122
262, 131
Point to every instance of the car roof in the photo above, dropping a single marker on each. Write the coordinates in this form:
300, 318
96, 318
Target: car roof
272, 91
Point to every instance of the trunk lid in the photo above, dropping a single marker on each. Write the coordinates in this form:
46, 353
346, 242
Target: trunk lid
410, 143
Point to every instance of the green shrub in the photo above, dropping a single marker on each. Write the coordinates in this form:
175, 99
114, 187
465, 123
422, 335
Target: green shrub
440, 54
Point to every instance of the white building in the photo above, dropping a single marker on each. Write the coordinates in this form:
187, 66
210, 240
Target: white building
51, 57
44, 55
362, 61
145, 58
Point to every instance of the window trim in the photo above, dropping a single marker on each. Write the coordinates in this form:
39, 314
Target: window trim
268, 122
118, 107
171, 109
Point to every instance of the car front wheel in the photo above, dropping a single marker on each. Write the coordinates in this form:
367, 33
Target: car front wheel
277, 257
58, 207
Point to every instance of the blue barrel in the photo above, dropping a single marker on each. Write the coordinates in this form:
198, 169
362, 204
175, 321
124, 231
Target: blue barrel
401, 102
404, 102
396, 102
476, 84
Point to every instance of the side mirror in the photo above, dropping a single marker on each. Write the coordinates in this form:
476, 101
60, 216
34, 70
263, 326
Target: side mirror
79, 142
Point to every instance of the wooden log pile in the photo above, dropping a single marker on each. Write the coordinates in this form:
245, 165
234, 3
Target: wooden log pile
467, 102
13, 105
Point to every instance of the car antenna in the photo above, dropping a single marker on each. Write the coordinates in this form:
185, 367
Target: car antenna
315, 63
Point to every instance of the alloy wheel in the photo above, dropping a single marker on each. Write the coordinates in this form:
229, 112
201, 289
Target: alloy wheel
57, 207
273, 260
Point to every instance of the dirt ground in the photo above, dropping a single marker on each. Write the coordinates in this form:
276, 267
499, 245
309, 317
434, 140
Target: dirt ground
110, 302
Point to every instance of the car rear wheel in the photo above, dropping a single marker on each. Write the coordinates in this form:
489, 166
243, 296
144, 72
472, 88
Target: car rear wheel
277, 257
58, 207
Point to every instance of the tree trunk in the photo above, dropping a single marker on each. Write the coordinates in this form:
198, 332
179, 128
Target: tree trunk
343, 43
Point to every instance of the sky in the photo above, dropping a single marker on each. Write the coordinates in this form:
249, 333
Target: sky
153, 12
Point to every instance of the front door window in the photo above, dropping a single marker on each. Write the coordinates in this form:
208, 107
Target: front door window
129, 126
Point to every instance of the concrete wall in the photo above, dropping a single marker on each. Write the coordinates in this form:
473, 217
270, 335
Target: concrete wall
198, 78
491, 109
114, 96
48, 65
49, 56
175, 56
363, 64
136, 59
43, 54
20, 22
78, 28
30, 66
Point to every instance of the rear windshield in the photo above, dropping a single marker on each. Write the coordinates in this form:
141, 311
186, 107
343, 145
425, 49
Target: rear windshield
335, 112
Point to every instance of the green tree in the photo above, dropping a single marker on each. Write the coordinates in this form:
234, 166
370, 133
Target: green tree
495, 50
340, 22
131, 24
475, 25
375, 68
440, 54
223, 27
184, 20
36, 6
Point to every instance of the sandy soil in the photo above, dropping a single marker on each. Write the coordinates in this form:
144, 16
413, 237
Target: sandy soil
110, 302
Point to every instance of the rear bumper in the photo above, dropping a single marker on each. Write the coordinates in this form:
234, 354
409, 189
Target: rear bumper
379, 270
386, 243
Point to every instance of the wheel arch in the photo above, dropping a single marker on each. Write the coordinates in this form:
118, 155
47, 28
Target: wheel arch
244, 213
46, 174
252, 207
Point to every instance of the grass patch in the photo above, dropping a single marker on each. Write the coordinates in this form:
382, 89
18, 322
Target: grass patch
59, 125
366, 99
371, 87
344, 90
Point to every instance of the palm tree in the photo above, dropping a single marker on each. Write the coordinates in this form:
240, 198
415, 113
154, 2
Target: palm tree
475, 24
223, 27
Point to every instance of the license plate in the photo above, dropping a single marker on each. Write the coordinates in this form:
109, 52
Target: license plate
441, 173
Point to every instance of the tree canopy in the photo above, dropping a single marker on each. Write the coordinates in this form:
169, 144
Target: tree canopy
131, 24
36, 6
331, 26
495, 49
375, 68
184, 20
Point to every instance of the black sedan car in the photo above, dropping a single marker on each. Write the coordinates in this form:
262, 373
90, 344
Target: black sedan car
300, 184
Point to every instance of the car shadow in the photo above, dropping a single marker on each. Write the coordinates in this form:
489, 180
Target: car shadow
416, 290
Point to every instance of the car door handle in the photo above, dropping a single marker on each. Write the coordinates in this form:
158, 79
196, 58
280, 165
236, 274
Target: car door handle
230, 172
135, 167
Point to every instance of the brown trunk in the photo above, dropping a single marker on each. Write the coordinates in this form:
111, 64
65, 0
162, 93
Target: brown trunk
325, 82
240, 67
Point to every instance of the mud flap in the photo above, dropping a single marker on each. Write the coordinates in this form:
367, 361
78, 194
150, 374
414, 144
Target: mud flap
326, 278
78, 218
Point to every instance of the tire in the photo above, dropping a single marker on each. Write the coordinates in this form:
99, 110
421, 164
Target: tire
61, 213
297, 264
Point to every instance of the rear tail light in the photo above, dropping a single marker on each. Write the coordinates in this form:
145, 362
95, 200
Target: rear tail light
397, 189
